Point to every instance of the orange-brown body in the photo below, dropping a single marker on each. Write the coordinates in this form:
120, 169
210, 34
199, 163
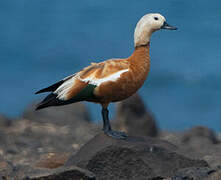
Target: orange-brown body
138, 65
112, 80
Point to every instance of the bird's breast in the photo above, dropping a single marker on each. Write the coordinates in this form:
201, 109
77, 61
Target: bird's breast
130, 81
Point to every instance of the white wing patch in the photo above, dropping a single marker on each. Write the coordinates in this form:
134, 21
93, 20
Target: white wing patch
97, 81
62, 90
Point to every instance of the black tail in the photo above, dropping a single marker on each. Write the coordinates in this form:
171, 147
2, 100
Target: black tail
50, 100
51, 88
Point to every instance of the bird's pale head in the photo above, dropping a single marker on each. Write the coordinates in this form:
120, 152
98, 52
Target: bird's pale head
148, 24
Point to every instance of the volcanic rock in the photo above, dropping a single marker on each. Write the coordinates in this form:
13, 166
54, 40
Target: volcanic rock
193, 173
62, 115
133, 158
62, 173
135, 118
198, 142
206, 135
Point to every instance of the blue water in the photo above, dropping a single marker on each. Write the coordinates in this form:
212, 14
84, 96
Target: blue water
42, 41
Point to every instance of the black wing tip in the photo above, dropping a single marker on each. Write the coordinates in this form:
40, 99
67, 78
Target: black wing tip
51, 88
37, 92
40, 91
50, 100
39, 106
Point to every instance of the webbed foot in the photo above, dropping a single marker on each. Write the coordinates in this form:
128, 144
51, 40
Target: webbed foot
115, 134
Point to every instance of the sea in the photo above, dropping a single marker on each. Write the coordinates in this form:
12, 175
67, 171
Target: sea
42, 41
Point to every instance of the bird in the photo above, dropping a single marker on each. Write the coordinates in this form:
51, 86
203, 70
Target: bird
112, 80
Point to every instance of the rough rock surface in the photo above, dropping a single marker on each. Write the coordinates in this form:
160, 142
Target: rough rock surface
6, 168
52, 160
193, 173
134, 118
36, 146
198, 142
206, 135
62, 115
216, 175
61, 173
25, 140
134, 158
4, 121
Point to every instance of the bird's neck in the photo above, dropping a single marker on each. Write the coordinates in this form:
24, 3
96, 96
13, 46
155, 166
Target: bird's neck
142, 36
140, 63
141, 56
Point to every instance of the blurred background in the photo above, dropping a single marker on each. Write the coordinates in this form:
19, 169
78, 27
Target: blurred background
43, 41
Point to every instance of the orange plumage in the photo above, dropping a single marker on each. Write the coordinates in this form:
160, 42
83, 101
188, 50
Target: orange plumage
129, 82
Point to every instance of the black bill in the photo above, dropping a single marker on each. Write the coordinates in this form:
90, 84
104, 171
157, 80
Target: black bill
167, 26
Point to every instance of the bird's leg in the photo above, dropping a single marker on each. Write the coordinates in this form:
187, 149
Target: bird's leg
107, 127
106, 123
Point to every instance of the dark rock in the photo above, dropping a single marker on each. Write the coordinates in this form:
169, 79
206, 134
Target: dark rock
198, 143
201, 142
64, 173
62, 115
4, 121
54, 130
6, 168
213, 158
216, 175
193, 173
25, 141
134, 118
134, 158
205, 135
61, 173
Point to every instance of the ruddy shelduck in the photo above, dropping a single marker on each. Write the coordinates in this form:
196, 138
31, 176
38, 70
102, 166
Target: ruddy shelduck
111, 80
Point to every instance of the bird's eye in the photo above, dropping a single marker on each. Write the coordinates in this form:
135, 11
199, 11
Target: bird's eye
156, 18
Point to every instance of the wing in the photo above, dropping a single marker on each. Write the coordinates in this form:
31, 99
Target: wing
91, 76
80, 86
53, 87
103, 72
